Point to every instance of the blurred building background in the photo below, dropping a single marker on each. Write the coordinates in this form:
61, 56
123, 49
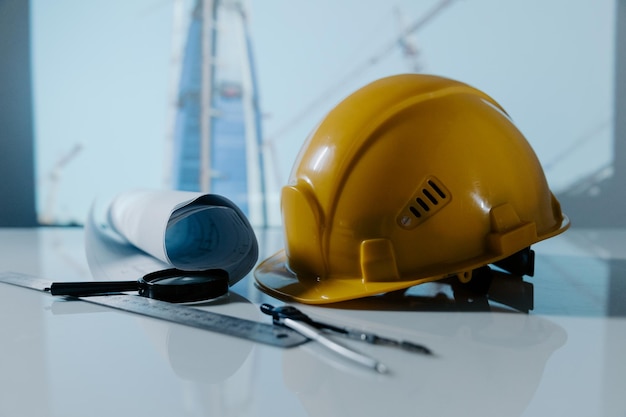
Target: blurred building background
218, 95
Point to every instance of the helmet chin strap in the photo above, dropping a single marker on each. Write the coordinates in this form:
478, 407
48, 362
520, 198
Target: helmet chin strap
517, 265
520, 263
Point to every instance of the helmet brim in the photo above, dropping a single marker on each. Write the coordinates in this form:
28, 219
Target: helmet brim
275, 278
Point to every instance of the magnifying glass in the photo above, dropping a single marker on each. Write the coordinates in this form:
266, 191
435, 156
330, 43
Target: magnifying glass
172, 285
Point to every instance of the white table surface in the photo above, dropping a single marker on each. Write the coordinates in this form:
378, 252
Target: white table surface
566, 357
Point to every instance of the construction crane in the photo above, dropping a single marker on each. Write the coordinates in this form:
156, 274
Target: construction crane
47, 216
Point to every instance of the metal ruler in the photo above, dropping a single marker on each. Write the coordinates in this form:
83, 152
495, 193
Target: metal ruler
176, 313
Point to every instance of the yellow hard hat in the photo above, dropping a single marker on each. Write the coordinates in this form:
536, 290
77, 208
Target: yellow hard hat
411, 179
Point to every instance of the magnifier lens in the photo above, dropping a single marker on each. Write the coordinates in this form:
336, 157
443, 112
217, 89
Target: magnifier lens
180, 280
177, 286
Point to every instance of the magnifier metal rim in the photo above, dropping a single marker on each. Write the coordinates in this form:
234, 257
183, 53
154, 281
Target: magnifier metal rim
214, 283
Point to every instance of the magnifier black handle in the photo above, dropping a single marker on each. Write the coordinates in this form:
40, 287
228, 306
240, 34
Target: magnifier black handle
79, 289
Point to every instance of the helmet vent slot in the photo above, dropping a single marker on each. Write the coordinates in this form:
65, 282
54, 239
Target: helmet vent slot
436, 189
422, 204
430, 197
415, 212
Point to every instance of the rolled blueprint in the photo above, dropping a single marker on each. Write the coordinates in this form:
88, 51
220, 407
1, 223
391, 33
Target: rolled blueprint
187, 230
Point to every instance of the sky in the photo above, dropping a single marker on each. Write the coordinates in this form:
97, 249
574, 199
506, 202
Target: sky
102, 73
